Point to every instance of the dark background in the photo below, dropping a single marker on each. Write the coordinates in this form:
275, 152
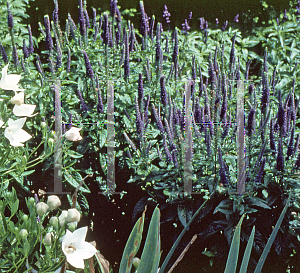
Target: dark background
209, 9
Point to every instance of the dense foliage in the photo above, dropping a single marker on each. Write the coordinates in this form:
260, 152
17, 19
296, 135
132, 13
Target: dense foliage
157, 76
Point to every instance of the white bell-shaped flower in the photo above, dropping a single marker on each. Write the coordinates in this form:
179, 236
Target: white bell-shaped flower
15, 134
10, 82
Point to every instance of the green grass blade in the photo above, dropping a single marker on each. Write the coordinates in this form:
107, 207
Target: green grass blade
267, 248
247, 253
167, 259
132, 245
233, 255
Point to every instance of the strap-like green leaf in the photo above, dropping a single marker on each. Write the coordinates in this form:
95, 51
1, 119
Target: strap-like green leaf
150, 258
247, 253
234, 249
267, 248
132, 245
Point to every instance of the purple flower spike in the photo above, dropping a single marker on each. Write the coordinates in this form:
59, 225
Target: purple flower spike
87, 18
251, 122
126, 60
175, 51
185, 26
260, 174
163, 91
69, 61
3, 53
222, 171
82, 21
25, 50
166, 14
280, 158
272, 138
55, 12
88, 66
202, 23
167, 152
39, 65
10, 20
83, 105
290, 150
139, 122
190, 16
236, 18
15, 56
224, 25
140, 87
158, 120
49, 42
217, 21
144, 20
30, 48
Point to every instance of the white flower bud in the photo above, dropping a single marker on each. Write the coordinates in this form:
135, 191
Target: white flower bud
73, 216
53, 221
23, 233
41, 208
136, 261
47, 239
72, 226
62, 217
73, 134
53, 202
18, 99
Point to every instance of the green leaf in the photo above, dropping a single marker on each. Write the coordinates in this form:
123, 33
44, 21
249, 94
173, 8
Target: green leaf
167, 259
184, 214
247, 253
267, 248
132, 245
14, 208
151, 252
234, 249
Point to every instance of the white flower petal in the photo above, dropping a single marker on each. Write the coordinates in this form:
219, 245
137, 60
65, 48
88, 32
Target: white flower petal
15, 125
73, 134
21, 136
80, 234
75, 260
18, 99
23, 110
10, 82
86, 250
76, 249
14, 133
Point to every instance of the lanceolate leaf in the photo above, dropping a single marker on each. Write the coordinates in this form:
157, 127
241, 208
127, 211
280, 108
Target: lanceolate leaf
247, 253
132, 245
267, 248
234, 249
151, 252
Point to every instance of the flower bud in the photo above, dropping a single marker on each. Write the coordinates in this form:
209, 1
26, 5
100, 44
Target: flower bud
73, 215
25, 217
51, 142
62, 217
72, 226
18, 99
47, 239
136, 261
31, 200
73, 134
23, 233
53, 202
41, 208
53, 221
